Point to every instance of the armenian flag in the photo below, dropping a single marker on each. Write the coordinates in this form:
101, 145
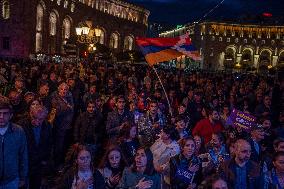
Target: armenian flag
158, 50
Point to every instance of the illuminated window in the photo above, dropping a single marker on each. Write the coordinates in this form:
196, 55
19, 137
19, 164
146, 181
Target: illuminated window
113, 43
39, 18
52, 24
220, 39
38, 46
58, 2
213, 38
228, 40
66, 28
102, 37
245, 41
236, 40
6, 10
128, 43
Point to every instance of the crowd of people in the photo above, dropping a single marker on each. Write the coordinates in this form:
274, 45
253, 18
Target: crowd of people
91, 126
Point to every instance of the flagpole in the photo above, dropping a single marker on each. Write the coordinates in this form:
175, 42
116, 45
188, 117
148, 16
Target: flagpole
170, 108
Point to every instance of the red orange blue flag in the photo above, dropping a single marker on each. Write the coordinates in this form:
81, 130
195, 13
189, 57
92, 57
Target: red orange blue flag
158, 50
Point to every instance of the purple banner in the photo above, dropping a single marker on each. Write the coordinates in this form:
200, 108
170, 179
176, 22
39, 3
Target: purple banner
242, 120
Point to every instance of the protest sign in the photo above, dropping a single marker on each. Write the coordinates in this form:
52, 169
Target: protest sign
243, 120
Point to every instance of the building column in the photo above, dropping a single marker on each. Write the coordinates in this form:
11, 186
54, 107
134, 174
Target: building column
274, 60
239, 58
255, 60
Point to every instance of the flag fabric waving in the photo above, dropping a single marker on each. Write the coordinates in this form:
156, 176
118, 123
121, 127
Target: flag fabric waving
158, 50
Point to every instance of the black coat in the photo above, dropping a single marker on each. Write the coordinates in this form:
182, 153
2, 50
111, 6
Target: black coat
89, 128
65, 182
37, 152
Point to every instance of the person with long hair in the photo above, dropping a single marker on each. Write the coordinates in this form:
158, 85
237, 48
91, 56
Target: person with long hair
142, 174
277, 173
129, 142
186, 168
112, 166
81, 175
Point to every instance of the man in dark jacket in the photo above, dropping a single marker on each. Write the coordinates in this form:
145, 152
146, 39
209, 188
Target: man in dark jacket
13, 148
63, 106
241, 172
89, 128
38, 132
116, 118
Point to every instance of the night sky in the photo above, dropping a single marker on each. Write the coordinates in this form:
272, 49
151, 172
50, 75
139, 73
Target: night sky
185, 11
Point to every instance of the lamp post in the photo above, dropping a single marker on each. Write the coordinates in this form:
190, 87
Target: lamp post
88, 35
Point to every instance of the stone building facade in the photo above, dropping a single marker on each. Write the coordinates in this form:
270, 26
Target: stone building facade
44, 26
231, 45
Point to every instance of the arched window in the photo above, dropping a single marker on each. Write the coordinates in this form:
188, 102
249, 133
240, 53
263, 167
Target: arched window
52, 23
38, 42
102, 37
128, 43
66, 28
113, 43
6, 10
39, 18
39, 27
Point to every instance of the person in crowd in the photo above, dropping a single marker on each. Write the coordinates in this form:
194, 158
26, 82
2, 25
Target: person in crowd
116, 118
43, 94
163, 149
14, 151
82, 174
129, 142
181, 127
257, 135
187, 119
92, 94
195, 108
62, 108
108, 106
88, 128
218, 182
217, 153
276, 175
17, 105
225, 116
264, 109
150, 124
52, 82
142, 174
185, 168
278, 145
112, 166
199, 145
241, 172
39, 140
206, 127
